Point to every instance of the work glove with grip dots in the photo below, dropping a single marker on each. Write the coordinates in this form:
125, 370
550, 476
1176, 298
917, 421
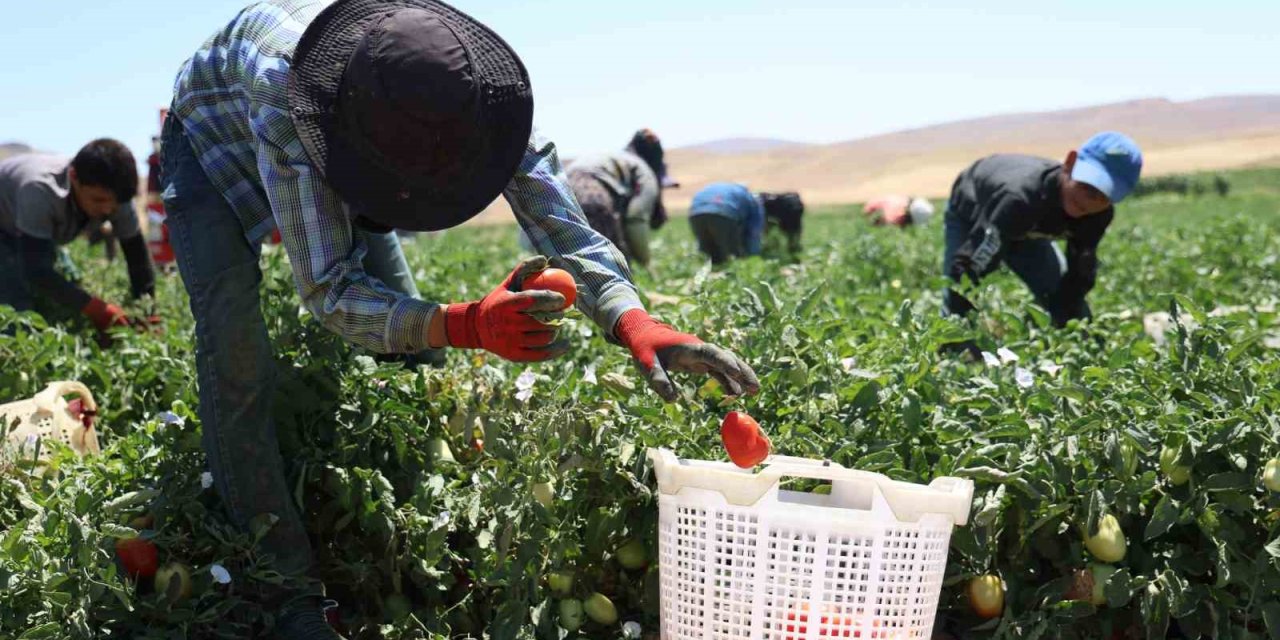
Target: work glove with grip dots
515, 325
104, 315
660, 350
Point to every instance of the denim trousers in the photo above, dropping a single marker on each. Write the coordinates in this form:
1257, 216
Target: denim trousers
15, 291
719, 237
235, 366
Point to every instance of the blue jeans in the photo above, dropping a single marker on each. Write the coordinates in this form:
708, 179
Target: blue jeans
15, 291
234, 361
1039, 263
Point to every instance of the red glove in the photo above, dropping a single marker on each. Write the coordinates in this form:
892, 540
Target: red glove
657, 349
644, 336
502, 322
105, 315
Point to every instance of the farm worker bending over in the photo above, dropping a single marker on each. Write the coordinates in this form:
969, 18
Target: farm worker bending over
621, 193
337, 122
1010, 208
48, 200
729, 220
898, 211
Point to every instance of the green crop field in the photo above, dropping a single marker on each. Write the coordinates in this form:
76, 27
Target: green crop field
416, 541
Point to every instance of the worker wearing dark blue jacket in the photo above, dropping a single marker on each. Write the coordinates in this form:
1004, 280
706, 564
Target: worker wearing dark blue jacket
729, 220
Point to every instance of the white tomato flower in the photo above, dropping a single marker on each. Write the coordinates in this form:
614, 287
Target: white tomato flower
168, 418
220, 574
631, 630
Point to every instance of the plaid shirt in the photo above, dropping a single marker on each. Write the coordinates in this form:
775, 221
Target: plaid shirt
232, 100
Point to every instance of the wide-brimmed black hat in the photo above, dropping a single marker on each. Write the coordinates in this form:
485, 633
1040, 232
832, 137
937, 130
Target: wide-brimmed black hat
415, 113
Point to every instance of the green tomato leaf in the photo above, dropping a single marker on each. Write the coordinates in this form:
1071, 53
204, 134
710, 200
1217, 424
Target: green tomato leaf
1163, 518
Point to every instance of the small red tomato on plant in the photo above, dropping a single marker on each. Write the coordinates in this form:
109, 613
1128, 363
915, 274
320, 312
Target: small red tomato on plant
557, 280
746, 444
1081, 588
138, 556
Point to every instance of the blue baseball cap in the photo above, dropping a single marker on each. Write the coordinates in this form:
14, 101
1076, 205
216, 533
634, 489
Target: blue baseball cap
1110, 162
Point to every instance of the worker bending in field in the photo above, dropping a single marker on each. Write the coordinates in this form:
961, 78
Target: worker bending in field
729, 220
46, 201
898, 211
337, 122
1009, 209
621, 193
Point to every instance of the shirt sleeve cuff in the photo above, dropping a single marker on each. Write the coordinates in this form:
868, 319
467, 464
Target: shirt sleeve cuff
407, 325
610, 308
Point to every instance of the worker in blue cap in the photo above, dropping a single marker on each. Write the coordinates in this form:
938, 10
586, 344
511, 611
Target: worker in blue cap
1008, 209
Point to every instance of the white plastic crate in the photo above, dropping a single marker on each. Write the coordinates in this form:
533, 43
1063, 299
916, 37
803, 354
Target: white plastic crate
740, 558
47, 416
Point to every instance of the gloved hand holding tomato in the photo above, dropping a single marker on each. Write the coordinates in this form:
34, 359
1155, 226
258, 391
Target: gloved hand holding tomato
513, 324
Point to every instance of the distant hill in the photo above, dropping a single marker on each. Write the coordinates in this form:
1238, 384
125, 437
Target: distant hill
731, 146
12, 149
1213, 133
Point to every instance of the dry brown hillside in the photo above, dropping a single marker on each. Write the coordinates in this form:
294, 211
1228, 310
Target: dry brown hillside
12, 149
1214, 133
1177, 136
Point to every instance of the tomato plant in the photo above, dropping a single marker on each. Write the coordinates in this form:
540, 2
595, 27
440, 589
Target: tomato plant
408, 516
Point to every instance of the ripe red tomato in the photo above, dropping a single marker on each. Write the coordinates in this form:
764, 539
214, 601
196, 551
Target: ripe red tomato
138, 556
557, 280
746, 444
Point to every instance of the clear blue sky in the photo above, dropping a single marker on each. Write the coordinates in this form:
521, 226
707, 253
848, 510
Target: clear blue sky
693, 70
